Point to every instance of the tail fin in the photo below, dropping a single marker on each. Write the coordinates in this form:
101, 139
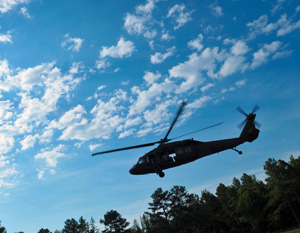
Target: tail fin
249, 132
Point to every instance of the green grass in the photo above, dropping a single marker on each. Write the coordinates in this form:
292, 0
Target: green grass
292, 231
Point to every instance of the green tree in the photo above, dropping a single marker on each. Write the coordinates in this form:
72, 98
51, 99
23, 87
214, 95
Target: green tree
226, 214
71, 226
114, 223
283, 183
2, 229
42, 230
146, 224
160, 211
181, 204
171, 211
83, 226
210, 212
93, 228
136, 228
251, 204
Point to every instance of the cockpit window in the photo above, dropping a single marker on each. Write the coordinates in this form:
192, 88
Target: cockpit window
141, 160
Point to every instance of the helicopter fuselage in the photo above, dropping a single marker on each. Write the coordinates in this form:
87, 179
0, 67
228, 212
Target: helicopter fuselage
177, 153
174, 154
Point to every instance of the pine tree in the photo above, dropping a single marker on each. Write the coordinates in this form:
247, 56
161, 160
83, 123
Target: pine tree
114, 223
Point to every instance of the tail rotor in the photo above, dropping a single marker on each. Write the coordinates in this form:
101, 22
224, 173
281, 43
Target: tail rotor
248, 116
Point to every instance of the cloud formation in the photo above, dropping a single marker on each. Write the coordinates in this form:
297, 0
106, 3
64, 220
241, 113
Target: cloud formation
160, 57
7, 5
122, 49
6, 38
180, 14
282, 26
73, 44
141, 22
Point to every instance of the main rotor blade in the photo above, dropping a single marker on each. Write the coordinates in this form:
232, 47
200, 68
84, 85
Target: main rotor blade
241, 125
257, 124
256, 107
125, 148
239, 109
198, 130
171, 127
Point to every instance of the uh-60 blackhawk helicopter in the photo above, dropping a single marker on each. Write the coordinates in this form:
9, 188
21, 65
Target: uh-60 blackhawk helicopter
172, 154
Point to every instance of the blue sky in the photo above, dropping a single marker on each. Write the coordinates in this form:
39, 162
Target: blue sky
77, 77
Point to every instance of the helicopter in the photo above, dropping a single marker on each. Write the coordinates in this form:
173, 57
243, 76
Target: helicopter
172, 154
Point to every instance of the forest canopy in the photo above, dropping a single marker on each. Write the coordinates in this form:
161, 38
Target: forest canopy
247, 205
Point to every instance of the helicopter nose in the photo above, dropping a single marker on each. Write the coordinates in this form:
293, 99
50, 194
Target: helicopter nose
132, 171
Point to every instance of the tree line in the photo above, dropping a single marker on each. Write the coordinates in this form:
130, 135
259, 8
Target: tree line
247, 205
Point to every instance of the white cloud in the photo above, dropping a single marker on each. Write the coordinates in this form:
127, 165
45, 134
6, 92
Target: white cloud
7, 5
180, 14
69, 119
135, 24
216, 10
40, 174
143, 132
240, 83
105, 120
4, 160
160, 57
94, 146
145, 98
55, 86
132, 122
287, 26
51, 156
277, 6
166, 36
126, 133
151, 77
193, 69
77, 67
6, 38
102, 64
147, 8
261, 56
6, 143
261, 26
38, 90
4, 69
122, 49
196, 43
207, 87
28, 141
5, 110
236, 61
282, 54
142, 21
159, 114
198, 103
28, 78
8, 172
231, 65
73, 43
25, 12
239, 48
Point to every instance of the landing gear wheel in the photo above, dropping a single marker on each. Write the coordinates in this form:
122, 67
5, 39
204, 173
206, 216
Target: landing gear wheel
161, 174
238, 151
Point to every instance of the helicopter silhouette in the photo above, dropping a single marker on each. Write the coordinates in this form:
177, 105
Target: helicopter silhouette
172, 154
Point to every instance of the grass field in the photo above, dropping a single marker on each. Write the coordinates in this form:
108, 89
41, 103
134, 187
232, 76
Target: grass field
292, 231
